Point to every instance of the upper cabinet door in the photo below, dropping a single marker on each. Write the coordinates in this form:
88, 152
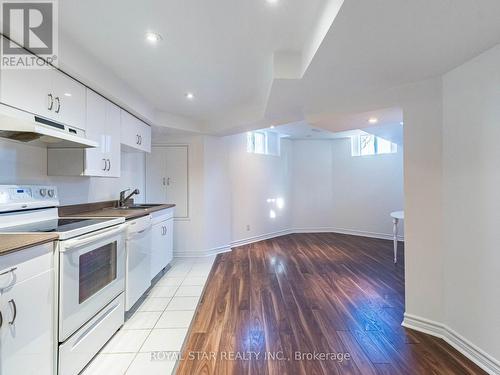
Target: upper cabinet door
135, 134
45, 92
27, 89
69, 100
103, 126
113, 146
95, 158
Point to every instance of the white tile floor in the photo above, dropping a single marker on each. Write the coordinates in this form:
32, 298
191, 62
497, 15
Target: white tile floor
160, 323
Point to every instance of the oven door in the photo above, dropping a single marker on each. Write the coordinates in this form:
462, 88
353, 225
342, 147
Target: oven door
91, 275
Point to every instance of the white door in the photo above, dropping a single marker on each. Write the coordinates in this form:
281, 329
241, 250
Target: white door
26, 341
137, 279
144, 132
162, 246
69, 100
176, 182
95, 158
135, 134
156, 167
113, 148
169, 239
167, 177
27, 89
158, 248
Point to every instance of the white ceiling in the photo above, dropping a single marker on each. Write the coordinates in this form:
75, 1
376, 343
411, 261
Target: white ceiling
220, 50
223, 52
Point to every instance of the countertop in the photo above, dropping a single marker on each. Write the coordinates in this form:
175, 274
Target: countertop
110, 212
11, 242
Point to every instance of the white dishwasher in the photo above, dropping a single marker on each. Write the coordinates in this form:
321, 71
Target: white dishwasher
138, 264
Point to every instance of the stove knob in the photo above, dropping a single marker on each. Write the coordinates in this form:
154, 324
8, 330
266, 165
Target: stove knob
43, 192
51, 193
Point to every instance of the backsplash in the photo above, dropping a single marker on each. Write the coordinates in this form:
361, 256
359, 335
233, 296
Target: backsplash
26, 164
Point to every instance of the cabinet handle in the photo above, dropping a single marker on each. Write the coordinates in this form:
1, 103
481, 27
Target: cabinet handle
14, 307
58, 104
137, 141
140, 139
51, 102
1, 320
8, 271
109, 165
164, 181
105, 164
168, 181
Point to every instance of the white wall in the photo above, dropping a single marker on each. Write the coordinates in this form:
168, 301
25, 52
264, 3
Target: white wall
332, 190
217, 194
471, 165
26, 164
254, 180
422, 104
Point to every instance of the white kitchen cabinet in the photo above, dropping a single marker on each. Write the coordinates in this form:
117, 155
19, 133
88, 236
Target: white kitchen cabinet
47, 93
69, 100
26, 89
167, 177
135, 134
27, 307
162, 240
103, 126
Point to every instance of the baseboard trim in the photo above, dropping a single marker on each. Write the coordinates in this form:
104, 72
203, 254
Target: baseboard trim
352, 232
200, 254
460, 343
284, 232
262, 237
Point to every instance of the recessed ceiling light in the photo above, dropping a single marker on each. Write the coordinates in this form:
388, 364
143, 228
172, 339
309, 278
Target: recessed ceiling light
272, 2
67, 94
153, 38
373, 120
189, 95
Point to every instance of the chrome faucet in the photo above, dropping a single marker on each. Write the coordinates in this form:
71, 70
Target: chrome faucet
124, 199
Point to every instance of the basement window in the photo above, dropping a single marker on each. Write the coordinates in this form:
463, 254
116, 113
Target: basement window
263, 142
368, 144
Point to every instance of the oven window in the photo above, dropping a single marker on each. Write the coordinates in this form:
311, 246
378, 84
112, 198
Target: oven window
97, 269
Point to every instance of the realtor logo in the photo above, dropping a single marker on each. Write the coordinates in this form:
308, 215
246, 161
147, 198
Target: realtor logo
32, 25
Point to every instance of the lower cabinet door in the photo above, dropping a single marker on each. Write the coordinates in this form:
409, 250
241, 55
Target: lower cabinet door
27, 333
157, 249
169, 234
162, 249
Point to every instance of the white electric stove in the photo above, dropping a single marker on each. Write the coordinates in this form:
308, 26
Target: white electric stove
90, 266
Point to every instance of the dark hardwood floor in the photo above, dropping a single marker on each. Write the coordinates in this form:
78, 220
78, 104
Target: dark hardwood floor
326, 293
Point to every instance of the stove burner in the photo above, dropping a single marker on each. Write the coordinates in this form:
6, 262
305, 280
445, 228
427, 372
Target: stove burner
55, 225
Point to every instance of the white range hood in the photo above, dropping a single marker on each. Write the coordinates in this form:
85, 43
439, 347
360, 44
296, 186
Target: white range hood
25, 127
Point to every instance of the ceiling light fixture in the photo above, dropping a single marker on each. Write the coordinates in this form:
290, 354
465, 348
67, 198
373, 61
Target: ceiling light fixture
373, 120
189, 96
272, 2
153, 38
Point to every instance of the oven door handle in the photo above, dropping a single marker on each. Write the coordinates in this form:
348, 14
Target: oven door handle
92, 237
